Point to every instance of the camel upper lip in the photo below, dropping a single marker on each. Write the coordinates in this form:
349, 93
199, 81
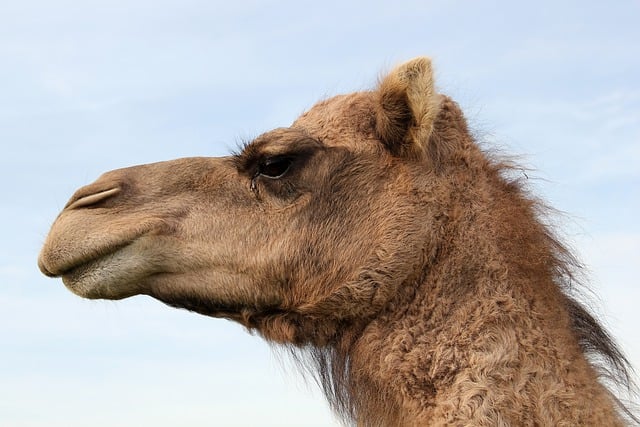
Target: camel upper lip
43, 268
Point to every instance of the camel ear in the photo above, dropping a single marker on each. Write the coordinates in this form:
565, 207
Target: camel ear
407, 107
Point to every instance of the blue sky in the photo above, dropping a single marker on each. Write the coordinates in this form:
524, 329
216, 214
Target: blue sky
91, 86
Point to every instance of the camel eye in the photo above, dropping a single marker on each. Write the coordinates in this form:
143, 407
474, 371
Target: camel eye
275, 167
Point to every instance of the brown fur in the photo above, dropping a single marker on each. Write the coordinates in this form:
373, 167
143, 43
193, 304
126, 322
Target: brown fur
374, 238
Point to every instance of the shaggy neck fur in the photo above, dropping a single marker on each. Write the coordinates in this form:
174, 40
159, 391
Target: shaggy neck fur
474, 335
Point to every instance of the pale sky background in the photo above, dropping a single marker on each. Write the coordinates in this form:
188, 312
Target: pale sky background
86, 87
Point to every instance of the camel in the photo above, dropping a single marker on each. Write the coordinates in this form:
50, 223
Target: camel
405, 266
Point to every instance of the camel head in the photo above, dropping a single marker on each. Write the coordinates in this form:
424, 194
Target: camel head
307, 228
377, 240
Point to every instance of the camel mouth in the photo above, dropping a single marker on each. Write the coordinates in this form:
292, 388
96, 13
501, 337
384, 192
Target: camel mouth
87, 276
82, 264
115, 273
86, 256
66, 266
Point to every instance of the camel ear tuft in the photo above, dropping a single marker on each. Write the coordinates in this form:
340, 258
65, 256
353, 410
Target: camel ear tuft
407, 107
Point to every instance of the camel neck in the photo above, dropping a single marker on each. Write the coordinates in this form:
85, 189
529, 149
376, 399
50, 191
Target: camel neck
479, 338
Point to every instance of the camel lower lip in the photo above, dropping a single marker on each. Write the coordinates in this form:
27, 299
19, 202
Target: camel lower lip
70, 272
72, 279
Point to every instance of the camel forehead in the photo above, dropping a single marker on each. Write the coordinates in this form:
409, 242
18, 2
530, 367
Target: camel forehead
344, 120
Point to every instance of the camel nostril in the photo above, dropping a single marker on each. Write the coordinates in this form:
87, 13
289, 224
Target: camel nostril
82, 201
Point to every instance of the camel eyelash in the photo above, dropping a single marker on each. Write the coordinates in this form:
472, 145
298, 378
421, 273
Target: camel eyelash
254, 163
289, 144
